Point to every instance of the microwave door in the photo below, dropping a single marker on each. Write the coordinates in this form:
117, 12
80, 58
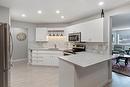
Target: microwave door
75, 37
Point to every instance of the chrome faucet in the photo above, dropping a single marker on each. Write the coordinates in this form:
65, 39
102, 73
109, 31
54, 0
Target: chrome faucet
55, 46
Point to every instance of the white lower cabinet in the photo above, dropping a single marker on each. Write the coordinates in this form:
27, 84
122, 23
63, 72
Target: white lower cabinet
47, 58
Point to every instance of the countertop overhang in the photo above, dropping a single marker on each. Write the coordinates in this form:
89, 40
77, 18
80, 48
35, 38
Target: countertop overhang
46, 49
85, 59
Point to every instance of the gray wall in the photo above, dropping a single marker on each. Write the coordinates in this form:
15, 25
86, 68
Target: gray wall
21, 54
31, 30
20, 47
4, 15
121, 21
121, 24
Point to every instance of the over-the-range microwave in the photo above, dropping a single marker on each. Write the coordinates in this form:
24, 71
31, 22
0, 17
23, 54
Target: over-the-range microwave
74, 37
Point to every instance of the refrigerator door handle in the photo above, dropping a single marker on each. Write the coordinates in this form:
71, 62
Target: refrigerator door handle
11, 47
11, 50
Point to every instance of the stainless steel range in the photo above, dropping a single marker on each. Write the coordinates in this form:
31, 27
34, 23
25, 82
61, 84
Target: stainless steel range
77, 47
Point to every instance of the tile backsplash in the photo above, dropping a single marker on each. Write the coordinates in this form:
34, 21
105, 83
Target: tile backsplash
97, 47
55, 41
60, 42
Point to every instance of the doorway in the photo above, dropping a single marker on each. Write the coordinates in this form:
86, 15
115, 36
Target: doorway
121, 44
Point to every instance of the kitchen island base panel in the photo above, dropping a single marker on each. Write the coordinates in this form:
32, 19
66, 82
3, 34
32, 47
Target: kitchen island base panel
72, 75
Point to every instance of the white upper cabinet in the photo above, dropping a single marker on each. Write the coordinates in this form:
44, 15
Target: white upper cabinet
41, 34
91, 31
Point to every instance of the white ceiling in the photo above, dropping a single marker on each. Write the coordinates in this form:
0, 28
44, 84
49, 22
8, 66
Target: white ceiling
71, 9
122, 20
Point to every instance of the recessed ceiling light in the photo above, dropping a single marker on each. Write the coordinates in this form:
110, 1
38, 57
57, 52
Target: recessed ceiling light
58, 11
39, 12
101, 3
23, 15
62, 17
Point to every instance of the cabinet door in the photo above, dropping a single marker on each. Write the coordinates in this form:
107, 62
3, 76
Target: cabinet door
41, 34
71, 29
81, 28
91, 31
95, 30
47, 58
68, 30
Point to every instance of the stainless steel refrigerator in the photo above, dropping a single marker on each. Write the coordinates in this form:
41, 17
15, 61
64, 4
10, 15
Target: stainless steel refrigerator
5, 54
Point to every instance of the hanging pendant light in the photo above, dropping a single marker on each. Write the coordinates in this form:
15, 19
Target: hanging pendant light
57, 34
61, 34
102, 13
49, 33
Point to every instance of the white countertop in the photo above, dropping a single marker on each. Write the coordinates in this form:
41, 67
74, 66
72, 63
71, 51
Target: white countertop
46, 49
85, 59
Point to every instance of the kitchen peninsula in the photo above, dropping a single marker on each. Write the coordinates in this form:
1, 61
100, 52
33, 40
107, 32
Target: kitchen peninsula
85, 70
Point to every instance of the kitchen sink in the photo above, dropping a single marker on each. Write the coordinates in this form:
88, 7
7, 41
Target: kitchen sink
53, 49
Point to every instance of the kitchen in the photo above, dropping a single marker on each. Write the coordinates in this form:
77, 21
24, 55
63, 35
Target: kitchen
56, 41
41, 48
50, 43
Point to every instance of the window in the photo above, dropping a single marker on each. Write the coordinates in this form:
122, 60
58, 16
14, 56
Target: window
121, 37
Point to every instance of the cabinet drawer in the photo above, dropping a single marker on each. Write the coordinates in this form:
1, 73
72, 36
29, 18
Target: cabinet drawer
34, 62
34, 55
34, 59
47, 58
34, 51
40, 62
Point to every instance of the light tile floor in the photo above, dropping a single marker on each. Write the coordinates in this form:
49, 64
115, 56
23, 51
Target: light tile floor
119, 80
23, 75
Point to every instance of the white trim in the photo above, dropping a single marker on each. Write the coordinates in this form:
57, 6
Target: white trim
120, 29
20, 60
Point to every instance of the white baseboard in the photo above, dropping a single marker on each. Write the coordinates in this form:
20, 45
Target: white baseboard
19, 60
